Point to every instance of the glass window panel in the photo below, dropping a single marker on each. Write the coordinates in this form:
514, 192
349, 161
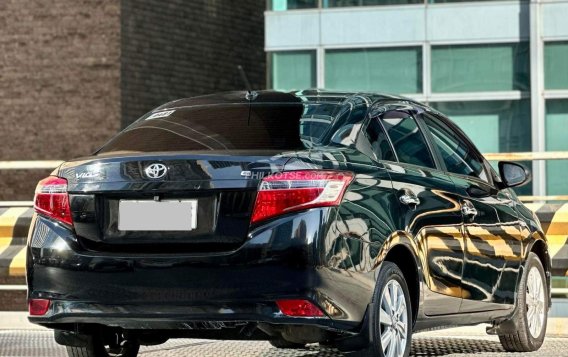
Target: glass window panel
379, 142
407, 139
556, 124
344, 3
283, 5
293, 70
445, 1
486, 140
391, 70
510, 117
494, 126
556, 65
456, 153
467, 68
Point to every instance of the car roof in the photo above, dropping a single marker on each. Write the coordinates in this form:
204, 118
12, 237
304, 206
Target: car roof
294, 97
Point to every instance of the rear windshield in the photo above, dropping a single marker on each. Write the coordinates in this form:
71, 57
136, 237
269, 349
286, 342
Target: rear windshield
219, 127
263, 126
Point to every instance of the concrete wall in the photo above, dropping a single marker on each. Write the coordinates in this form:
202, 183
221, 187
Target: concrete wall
186, 48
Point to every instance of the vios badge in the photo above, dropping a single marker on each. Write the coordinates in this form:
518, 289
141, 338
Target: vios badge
156, 171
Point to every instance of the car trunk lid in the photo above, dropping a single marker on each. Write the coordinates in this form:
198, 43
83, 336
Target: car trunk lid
222, 186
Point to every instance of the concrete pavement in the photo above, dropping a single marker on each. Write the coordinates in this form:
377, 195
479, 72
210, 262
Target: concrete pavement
19, 338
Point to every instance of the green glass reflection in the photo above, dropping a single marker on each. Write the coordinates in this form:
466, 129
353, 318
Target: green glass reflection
445, 1
283, 5
556, 122
556, 65
474, 68
494, 126
293, 70
391, 70
344, 3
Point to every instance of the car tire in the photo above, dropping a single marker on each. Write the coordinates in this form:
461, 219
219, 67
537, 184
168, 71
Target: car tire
96, 348
392, 280
282, 343
530, 317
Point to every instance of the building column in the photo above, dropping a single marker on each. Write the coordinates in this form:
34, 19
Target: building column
537, 96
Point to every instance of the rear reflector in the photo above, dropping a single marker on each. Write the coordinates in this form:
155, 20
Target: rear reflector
299, 190
38, 307
51, 199
299, 308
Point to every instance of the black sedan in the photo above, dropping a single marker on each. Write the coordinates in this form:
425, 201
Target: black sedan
348, 219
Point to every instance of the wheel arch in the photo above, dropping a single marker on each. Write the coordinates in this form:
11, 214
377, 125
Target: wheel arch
401, 251
540, 248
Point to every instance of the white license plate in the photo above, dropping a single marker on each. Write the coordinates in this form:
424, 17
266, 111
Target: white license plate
167, 215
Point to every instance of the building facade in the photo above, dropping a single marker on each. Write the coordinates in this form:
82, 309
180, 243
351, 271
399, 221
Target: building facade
73, 72
499, 69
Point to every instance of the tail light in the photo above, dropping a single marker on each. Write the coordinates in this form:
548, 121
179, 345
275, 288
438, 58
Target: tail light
299, 190
51, 199
38, 307
299, 308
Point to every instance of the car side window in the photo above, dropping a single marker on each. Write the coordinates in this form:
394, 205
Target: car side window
456, 154
379, 142
407, 139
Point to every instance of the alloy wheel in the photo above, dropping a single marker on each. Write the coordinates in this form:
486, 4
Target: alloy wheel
535, 302
393, 319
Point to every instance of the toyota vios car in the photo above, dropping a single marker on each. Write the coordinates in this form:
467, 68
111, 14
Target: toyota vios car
348, 219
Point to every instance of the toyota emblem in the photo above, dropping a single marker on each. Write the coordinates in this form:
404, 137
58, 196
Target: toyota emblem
156, 171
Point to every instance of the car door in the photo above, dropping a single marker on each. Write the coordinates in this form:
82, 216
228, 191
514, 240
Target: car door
429, 210
491, 225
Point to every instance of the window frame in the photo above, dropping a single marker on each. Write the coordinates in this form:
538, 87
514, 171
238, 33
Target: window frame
461, 136
411, 111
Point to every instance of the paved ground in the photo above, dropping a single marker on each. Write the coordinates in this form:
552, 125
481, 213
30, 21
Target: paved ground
20, 339
32, 343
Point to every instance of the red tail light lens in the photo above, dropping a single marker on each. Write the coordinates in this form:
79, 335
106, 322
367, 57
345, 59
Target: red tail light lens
38, 307
298, 190
51, 199
299, 308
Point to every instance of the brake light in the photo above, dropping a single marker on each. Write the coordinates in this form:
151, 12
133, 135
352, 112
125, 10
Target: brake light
298, 190
299, 308
51, 199
38, 307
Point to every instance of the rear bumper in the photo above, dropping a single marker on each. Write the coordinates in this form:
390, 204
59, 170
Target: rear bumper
215, 316
181, 291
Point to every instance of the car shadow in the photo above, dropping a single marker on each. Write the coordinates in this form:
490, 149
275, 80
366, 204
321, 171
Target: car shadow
431, 346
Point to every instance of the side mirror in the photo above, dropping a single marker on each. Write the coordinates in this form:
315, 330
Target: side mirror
513, 174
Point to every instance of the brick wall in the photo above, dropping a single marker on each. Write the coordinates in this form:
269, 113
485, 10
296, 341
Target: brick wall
59, 83
72, 72
186, 48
